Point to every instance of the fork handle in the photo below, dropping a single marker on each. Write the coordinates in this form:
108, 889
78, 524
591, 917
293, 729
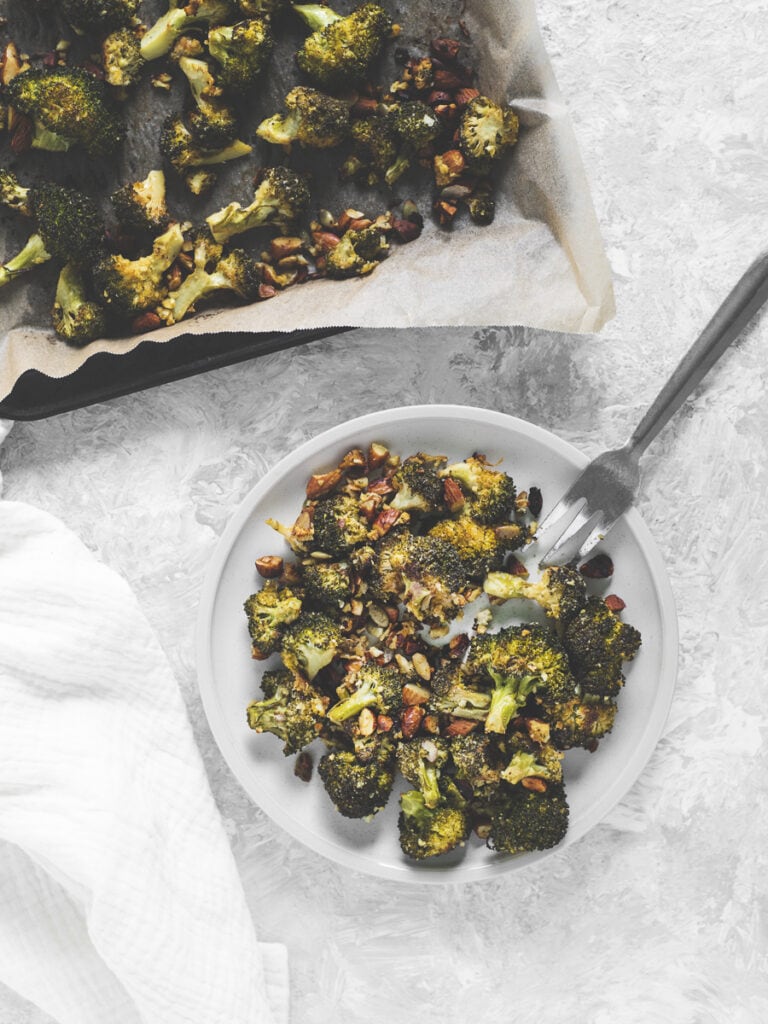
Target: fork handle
725, 326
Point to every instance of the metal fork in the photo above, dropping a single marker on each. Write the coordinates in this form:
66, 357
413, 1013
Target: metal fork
608, 485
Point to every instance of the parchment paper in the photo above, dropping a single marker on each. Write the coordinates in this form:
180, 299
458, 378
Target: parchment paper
540, 264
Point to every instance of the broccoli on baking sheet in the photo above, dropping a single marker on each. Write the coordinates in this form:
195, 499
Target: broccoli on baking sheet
184, 152
159, 38
358, 253
211, 118
341, 49
77, 318
121, 58
241, 51
281, 198
486, 129
99, 15
312, 119
69, 107
130, 286
140, 206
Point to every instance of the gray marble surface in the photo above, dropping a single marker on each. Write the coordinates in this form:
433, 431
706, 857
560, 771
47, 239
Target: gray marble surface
659, 913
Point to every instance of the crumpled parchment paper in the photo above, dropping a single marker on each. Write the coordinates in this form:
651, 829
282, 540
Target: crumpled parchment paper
540, 264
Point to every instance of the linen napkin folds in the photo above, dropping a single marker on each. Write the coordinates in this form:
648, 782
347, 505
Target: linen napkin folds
119, 898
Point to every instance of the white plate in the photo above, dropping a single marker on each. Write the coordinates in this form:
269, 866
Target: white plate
229, 678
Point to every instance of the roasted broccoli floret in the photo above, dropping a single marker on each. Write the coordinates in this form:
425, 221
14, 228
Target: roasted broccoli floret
261, 8
121, 58
31, 255
99, 15
312, 119
598, 643
476, 761
358, 253
424, 573
131, 286
523, 819
338, 525
418, 486
236, 272
178, 19
480, 548
140, 206
358, 789
527, 760
491, 492
420, 762
340, 50
242, 52
578, 723
311, 643
211, 120
375, 149
372, 686
521, 660
183, 151
68, 107
414, 125
76, 318
293, 711
428, 832
453, 695
13, 194
328, 584
270, 611
561, 591
486, 130
481, 204
281, 199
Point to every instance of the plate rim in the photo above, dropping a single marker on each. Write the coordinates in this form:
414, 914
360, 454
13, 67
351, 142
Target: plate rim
427, 873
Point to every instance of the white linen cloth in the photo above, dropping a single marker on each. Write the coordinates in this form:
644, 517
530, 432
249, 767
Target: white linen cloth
120, 901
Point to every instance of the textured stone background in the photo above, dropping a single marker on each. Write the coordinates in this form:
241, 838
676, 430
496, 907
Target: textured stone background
659, 914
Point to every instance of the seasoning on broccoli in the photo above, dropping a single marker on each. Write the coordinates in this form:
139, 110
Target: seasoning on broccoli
292, 710
340, 50
281, 199
358, 253
338, 525
375, 149
491, 492
121, 58
69, 107
429, 832
183, 151
211, 119
480, 548
99, 15
328, 584
178, 19
420, 762
598, 643
452, 694
580, 723
129, 286
424, 573
269, 612
477, 762
486, 130
242, 52
418, 486
529, 760
140, 206
236, 272
312, 119
415, 125
372, 686
523, 819
358, 789
311, 643
77, 319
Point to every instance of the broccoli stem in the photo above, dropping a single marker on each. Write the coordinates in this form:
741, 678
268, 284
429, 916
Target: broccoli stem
316, 16
195, 287
506, 700
49, 141
13, 194
234, 219
233, 151
33, 253
159, 39
397, 169
351, 706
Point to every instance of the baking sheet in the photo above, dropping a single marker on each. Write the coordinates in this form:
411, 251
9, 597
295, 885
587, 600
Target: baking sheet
540, 264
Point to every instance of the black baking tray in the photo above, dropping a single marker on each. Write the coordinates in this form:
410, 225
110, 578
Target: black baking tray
36, 396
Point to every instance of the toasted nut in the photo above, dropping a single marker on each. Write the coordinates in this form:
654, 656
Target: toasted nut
535, 502
146, 322
482, 829
323, 483
354, 459
11, 64
431, 724
445, 211
359, 224
445, 49
448, 167
458, 78
516, 568
302, 767
510, 533
453, 496
325, 240
267, 291
459, 727
377, 455
363, 106
410, 720
302, 528
537, 785
406, 230
22, 133
285, 245
538, 731
270, 566
414, 694
615, 603
403, 664
457, 645
326, 219
271, 276
378, 615
436, 96
381, 487
465, 95
384, 522
598, 568
384, 723
357, 607
422, 666
366, 722
175, 277
347, 216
